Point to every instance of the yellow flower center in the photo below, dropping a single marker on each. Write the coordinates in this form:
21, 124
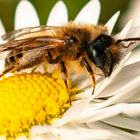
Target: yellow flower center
30, 99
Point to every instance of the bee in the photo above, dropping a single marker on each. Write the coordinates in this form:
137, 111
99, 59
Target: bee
85, 43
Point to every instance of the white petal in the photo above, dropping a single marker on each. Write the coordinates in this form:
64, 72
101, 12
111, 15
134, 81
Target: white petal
122, 79
96, 115
21, 138
40, 129
40, 138
124, 122
135, 57
58, 14
116, 132
84, 134
137, 100
71, 131
2, 138
2, 31
132, 109
45, 137
110, 112
138, 134
133, 11
100, 87
124, 32
86, 93
90, 12
128, 93
134, 31
26, 15
74, 111
111, 23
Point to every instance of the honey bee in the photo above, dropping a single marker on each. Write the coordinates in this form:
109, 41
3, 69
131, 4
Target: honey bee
85, 43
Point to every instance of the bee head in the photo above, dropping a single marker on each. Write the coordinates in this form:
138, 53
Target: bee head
100, 53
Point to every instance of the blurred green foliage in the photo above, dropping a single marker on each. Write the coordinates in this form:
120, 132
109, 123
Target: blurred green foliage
43, 7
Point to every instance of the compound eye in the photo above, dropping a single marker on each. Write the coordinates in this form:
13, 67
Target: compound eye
96, 50
94, 53
102, 41
97, 47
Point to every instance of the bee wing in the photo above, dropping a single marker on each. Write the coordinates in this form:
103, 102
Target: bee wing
29, 44
29, 32
27, 39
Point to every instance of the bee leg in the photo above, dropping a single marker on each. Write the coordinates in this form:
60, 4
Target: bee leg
131, 43
64, 73
10, 69
34, 69
89, 69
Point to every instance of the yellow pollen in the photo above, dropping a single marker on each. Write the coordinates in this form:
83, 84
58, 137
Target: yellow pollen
30, 99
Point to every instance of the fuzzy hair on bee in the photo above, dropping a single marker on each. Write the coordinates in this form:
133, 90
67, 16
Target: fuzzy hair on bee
88, 44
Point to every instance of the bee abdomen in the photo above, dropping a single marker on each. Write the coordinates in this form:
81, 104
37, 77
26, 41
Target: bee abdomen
13, 57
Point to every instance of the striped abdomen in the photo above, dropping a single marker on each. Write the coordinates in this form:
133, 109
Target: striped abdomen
13, 57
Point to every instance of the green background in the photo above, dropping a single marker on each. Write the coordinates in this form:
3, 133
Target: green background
43, 7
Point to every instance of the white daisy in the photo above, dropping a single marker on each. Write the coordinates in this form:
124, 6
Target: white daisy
113, 112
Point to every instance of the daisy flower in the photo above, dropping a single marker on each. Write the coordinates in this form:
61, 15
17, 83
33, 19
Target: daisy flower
113, 112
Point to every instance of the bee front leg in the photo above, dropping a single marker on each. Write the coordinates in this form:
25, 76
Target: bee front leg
90, 71
65, 76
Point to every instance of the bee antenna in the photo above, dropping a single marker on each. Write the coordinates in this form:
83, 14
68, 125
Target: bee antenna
128, 39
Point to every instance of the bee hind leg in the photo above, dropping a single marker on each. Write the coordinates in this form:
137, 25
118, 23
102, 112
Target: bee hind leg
9, 69
90, 71
34, 69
